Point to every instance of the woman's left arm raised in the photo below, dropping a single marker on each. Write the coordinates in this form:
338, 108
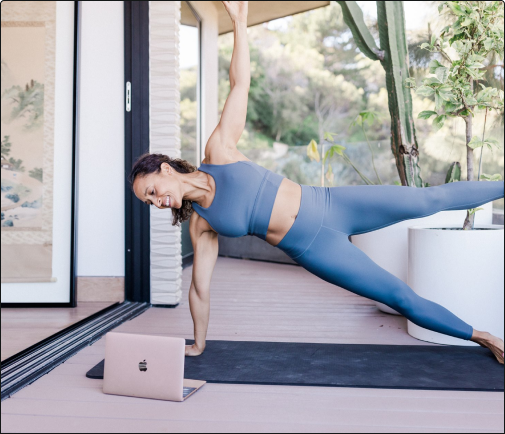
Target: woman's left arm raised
233, 118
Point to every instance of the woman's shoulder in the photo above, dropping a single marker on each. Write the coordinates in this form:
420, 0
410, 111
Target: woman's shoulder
198, 225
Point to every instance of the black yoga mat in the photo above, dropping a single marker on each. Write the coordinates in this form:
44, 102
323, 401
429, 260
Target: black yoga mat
344, 365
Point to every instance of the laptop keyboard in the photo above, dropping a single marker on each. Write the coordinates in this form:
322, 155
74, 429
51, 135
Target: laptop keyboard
187, 390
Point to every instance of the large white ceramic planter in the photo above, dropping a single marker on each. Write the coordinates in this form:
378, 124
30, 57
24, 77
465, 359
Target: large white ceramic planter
463, 272
388, 247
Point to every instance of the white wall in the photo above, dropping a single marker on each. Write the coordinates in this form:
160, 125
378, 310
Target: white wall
165, 255
101, 130
101, 141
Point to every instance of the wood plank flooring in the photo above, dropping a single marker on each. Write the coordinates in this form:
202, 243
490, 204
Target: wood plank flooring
23, 327
252, 300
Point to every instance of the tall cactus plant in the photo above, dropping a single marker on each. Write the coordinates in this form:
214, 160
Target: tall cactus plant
393, 56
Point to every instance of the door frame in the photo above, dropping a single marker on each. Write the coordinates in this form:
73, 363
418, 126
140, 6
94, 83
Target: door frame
137, 226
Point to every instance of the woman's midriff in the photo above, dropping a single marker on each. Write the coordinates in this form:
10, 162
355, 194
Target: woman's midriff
284, 212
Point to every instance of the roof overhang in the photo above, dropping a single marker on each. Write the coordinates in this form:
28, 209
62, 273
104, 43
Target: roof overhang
263, 11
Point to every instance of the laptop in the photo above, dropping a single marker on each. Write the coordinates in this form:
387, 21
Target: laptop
146, 366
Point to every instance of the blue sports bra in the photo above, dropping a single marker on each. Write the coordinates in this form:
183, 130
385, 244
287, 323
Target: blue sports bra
244, 198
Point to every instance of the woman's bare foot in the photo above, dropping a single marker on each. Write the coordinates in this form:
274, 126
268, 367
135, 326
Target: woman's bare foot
487, 340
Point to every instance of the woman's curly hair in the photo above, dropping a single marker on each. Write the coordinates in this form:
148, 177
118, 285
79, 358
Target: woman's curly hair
151, 163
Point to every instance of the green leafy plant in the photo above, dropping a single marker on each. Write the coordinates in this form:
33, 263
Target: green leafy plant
454, 173
495, 177
369, 117
313, 154
334, 150
455, 83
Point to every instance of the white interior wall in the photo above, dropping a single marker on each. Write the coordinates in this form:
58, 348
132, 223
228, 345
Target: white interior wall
100, 241
101, 129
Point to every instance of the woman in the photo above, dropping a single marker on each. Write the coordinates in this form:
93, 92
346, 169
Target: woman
234, 197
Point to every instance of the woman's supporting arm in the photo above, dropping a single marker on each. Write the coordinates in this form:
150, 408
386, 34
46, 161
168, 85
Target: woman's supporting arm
206, 250
199, 306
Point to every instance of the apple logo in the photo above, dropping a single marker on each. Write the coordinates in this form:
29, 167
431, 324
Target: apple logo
143, 366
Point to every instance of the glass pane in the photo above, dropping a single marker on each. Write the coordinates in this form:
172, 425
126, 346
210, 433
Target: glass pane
305, 83
189, 66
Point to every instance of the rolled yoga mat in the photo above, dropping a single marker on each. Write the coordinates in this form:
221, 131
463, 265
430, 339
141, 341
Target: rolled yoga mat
343, 365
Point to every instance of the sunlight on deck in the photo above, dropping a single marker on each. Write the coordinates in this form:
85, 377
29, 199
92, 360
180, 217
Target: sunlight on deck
253, 300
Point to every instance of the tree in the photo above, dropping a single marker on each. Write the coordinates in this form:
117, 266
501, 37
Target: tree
393, 56
325, 31
476, 36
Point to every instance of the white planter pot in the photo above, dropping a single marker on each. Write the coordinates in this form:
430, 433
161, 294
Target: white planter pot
463, 272
388, 247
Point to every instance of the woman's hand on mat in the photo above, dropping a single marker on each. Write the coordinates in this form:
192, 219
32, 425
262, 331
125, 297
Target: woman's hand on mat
237, 10
193, 350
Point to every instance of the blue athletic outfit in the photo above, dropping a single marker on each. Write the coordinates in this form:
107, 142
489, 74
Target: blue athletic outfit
318, 240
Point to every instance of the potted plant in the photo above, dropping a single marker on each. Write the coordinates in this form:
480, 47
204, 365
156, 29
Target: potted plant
461, 266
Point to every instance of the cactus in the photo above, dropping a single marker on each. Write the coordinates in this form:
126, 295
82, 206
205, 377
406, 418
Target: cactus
353, 17
454, 173
393, 55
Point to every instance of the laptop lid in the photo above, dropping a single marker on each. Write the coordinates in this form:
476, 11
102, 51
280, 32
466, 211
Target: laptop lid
144, 366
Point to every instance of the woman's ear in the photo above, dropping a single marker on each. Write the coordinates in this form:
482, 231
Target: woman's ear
166, 167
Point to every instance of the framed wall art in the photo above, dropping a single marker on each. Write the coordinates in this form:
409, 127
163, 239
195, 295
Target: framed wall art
39, 44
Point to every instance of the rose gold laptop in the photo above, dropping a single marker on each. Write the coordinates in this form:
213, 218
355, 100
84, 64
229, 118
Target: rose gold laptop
146, 366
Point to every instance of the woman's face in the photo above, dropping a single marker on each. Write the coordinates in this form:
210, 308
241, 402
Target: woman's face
159, 189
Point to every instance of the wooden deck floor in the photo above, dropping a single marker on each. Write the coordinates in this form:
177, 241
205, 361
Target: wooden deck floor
254, 300
23, 327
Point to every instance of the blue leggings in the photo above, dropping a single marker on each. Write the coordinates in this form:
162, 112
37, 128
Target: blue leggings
318, 240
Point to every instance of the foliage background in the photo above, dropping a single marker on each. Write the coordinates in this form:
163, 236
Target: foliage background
308, 77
